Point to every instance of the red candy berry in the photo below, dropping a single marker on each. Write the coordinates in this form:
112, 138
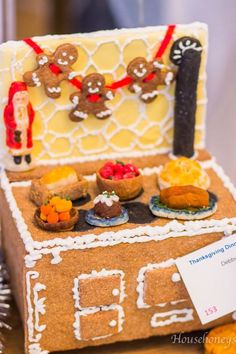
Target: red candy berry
118, 170
106, 172
129, 175
118, 176
109, 164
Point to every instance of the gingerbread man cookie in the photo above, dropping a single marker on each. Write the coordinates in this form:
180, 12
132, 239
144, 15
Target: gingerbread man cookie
147, 76
91, 99
64, 56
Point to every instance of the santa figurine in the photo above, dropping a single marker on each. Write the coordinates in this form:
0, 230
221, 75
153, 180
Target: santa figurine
18, 119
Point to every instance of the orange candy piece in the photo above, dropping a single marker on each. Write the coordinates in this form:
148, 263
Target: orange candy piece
43, 217
63, 206
53, 218
65, 216
58, 209
47, 209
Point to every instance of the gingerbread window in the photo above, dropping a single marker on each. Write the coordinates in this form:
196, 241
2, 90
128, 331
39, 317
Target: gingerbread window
98, 323
160, 284
100, 288
98, 297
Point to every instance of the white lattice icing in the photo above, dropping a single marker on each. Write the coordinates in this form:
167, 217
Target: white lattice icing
47, 109
91, 310
174, 228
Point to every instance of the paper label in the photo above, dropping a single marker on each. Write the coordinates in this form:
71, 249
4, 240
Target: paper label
209, 275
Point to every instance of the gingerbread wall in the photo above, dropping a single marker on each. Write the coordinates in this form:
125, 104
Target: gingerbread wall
134, 127
111, 294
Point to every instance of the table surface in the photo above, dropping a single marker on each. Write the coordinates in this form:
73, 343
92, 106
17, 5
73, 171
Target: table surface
155, 345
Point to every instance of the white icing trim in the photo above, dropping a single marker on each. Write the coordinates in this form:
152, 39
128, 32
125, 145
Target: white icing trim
178, 301
174, 228
173, 317
36, 349
110, 156
108, 33
225, 179
91, 310
34, 312
176, 277
21, 183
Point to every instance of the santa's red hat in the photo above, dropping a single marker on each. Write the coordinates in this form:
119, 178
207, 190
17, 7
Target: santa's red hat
16, 86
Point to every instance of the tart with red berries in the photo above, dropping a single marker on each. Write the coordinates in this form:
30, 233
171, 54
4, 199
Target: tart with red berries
124, 179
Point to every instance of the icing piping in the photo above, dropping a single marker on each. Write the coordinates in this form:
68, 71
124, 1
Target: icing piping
91, 310
34, 328
36, 349
175, 302
173, 317
146, 233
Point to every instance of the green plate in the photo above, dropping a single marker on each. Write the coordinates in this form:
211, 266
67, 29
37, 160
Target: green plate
161, 210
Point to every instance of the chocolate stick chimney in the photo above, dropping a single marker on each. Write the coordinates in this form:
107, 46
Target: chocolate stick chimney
186, 54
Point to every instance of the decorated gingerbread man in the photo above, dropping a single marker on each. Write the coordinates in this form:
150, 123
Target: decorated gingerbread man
146, 76
91, 99
52, 69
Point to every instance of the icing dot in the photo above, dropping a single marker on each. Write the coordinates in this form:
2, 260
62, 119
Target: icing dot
115, 292
175, 277
112, 323
234, 316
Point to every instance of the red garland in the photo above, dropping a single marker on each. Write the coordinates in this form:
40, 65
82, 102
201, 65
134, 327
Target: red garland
33, 45
117, 84
166, 41
121, 83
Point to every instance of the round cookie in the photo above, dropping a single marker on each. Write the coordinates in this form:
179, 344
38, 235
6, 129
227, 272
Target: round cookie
221, 340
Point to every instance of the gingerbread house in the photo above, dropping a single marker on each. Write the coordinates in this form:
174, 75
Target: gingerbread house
91, 286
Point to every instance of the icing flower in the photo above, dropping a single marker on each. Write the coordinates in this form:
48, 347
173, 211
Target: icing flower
107, 198
107, 205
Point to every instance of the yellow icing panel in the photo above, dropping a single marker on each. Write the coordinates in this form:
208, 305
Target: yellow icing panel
134, 126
